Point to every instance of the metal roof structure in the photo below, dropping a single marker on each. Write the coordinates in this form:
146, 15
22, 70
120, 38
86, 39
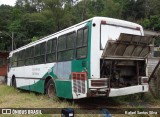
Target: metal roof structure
151, 33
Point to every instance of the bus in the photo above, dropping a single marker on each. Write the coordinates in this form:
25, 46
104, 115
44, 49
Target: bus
98, 57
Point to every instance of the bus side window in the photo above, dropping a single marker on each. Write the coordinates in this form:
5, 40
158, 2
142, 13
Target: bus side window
14, 60
19, 55
69, 53
9, 62
85, 38
51, 50
21, 58
43, 52
29, 55
54, 46
81, 45
61, 47
66, 45
40, 51
37, 54
80, 38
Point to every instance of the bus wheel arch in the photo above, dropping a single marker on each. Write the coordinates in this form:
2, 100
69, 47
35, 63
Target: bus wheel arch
13, 81
50, 88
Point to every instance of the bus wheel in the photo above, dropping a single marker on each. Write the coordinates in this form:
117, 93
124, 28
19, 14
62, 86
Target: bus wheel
14, 83
51, 91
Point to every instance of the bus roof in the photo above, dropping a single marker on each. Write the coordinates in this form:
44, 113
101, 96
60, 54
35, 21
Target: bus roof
117, 22
109, 21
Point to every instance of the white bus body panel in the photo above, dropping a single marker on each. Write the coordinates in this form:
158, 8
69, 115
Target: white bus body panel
28, 75
96, 52
128, 90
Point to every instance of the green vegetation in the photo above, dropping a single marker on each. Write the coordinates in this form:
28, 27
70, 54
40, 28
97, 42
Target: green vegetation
13, 98
33, 19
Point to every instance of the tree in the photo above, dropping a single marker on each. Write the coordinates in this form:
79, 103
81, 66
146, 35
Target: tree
134, 10
30, 6
112, 9
152, 23
38, 18
5, 20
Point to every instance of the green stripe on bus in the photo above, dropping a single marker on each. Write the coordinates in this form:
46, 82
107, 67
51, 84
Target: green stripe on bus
64, 89
38, 87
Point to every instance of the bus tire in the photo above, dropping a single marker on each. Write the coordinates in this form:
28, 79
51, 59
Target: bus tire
14, 84
5, 80
51, 89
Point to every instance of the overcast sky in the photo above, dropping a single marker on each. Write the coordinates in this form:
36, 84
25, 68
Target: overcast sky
8, 2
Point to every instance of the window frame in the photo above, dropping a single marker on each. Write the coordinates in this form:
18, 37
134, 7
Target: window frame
78, 47
66, 49
30, 57
52, 52
40, 55
22, 58
14, 59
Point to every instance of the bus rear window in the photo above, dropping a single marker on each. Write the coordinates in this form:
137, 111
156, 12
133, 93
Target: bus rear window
112, 32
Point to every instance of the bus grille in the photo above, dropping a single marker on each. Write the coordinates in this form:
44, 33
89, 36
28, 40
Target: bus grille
79, 84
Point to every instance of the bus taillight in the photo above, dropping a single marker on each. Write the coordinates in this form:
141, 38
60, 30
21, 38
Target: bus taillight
98, 83
79, 75
137, 28
103, 22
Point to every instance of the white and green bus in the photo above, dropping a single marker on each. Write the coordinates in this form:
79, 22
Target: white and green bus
88, 59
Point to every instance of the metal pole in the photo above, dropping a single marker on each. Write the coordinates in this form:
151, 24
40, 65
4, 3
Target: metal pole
12, 37
12, 40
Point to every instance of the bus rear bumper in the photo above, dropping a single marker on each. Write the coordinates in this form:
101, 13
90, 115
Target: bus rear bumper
113, 92
128, 90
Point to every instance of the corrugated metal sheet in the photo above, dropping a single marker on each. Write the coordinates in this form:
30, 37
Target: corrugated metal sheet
155, 82
129, 46
152, 62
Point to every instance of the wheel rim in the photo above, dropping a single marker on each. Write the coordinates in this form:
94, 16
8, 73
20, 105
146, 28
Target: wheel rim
51, 91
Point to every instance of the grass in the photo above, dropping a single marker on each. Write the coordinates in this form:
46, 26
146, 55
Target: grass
15, 98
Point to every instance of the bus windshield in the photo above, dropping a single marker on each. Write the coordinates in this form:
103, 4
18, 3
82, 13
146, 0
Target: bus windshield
112, 32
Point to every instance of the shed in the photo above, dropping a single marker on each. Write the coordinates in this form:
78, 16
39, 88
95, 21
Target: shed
3, 65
